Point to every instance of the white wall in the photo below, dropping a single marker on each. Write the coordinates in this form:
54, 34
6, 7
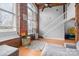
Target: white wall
71, 10
47, 16
70, 14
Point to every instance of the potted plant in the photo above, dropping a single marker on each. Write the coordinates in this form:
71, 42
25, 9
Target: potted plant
26, 40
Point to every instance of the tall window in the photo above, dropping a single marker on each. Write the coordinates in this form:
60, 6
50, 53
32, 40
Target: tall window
30, 27
32, 13
7, 17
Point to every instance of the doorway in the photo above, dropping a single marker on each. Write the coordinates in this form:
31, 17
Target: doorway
70, 28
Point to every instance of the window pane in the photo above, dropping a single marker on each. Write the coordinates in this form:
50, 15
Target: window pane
32, 7
29, 5
31, 19
29, 14
6, 19
6, 6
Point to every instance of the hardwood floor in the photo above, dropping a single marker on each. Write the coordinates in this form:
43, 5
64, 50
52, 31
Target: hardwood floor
57, 42
29, 52
15, 42
70, 41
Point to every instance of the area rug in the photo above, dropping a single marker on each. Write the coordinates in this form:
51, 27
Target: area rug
70, 45
52, 50
36, 45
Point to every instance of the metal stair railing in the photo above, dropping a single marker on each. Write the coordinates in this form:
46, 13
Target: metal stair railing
57, 22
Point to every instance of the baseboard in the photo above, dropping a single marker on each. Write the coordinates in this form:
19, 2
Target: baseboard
57, 41
54, 38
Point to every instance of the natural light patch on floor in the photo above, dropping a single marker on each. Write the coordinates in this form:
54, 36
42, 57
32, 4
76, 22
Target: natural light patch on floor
37, 45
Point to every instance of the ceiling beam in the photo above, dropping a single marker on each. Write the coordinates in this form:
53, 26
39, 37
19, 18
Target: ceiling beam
42, 5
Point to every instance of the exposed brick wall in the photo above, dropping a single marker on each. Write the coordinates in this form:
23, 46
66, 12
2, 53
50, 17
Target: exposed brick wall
23, 11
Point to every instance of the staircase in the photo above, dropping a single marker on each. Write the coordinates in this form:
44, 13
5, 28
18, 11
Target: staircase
57, 22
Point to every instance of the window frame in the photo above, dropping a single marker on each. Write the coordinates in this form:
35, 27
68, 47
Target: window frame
13, 13
33, 20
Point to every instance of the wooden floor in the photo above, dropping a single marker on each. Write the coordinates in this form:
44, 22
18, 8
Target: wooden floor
70, 41
57, 42
29, 52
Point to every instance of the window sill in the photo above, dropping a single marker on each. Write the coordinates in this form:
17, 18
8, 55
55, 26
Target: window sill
8, 36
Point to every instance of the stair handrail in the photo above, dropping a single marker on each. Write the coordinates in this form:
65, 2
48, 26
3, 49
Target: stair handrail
65, 20
56, 19
58, 24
